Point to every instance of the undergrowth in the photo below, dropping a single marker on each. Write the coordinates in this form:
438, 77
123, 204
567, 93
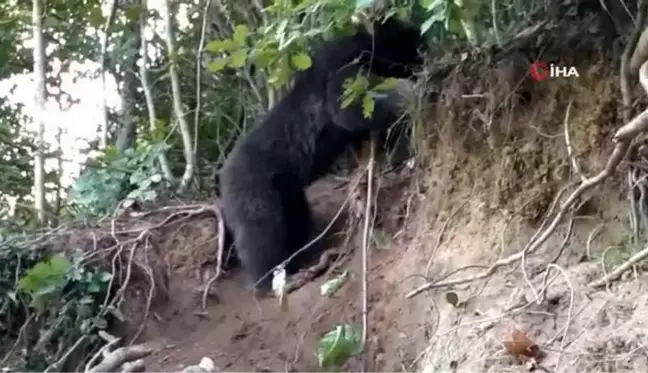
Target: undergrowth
52, 306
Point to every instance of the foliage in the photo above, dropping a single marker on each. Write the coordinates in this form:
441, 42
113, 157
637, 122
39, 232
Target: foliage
361, 87
54, 297
336, 346
133, 175
281, 45
16, 147
44, 280
450, 12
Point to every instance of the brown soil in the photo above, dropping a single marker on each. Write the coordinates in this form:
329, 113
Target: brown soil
241, 333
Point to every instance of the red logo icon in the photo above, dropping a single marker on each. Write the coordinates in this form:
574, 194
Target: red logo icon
539, 71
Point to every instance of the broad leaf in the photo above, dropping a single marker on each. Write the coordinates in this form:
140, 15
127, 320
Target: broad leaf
301, 61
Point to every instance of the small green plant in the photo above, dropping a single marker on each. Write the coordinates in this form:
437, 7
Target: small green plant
113, 177
44, 281
337, 346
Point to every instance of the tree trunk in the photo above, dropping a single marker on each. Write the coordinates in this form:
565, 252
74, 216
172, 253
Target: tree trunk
39, 110
103, 140
177, 100
126, 134
146, 87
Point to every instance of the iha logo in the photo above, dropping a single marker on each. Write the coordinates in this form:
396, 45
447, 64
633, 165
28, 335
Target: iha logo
541, 71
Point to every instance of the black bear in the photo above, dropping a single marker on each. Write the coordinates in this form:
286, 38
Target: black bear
263, 178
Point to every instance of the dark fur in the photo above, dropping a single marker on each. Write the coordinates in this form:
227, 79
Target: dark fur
263, 179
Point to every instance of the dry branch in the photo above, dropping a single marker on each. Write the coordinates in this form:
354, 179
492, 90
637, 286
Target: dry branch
636, 258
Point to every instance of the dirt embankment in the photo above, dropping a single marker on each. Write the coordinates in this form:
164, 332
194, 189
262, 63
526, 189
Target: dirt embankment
495, 156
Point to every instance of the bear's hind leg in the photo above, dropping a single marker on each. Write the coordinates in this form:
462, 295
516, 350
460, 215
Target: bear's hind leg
260, 246
298, 224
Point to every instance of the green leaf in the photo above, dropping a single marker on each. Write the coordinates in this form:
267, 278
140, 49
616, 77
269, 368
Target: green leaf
337, 346
93, 287
50, 22
238, 59
105, 276
45, 274
453, 25
240, 32
361, 83
132, 13
386, 85
217, 64
280, 73
368, 105
149, 195
217, 46
347, 101
264, 57
330, 287
301, 61
44, 280
96, 18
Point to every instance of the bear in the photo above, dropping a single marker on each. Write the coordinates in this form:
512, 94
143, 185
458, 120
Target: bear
264, 177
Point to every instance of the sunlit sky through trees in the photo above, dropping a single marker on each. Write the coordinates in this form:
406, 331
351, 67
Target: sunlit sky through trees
79, 122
